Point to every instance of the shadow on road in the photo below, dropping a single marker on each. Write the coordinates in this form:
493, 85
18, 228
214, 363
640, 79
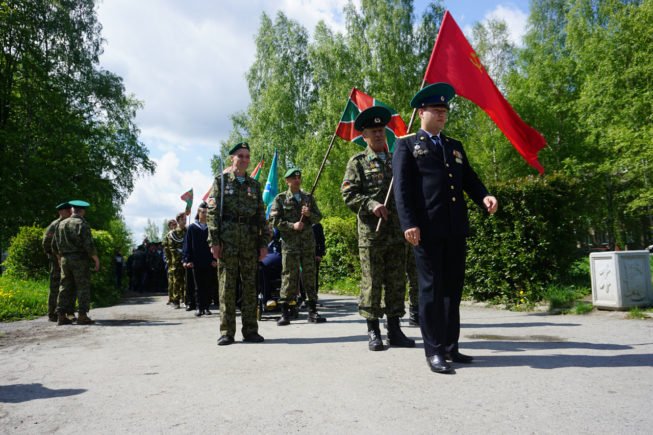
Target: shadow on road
316, 340
134, 322
522, 346
515, 325
19, 393
563, 361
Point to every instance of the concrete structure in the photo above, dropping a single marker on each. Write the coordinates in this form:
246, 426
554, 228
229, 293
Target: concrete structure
621, 279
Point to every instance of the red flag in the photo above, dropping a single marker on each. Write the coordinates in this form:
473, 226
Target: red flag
188, 197
359, 101
454, 61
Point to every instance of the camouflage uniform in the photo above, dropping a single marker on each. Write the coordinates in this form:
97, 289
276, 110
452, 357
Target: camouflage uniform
74, 243
298, 248
55, 269
167, 253
365, 185
175, 243
411, 275
241, 233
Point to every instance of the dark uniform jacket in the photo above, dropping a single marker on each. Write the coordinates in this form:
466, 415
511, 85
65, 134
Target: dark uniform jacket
429, 185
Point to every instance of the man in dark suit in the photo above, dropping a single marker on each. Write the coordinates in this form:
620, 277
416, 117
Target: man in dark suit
431, 173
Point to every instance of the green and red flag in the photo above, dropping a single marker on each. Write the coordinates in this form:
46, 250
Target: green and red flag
188, 197
256, 173
359, 101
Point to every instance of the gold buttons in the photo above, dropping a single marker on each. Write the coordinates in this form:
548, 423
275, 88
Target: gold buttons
450, 175
453, 199
452, 188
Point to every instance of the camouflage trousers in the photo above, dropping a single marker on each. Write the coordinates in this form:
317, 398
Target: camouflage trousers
382, 280
411, 275
75, 275
294, 265
238, 263
55, 282
178, 283
171, 279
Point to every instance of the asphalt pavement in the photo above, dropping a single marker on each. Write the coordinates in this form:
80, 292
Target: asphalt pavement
146, 368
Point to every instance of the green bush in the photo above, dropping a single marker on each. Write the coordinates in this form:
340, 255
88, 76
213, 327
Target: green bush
529, 243
103, 289
26, 259
22, 299
341, 260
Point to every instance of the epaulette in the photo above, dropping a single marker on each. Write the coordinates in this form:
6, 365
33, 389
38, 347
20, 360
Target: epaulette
406, 135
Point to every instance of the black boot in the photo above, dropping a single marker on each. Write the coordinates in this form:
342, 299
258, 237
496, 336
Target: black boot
313, 316
413, 316
285, 315
374, 335
395, 336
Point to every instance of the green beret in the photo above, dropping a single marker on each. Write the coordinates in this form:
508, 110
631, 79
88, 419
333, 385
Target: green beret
64, 206
238, 146
292, 171
78, 203
375, 116
437, 94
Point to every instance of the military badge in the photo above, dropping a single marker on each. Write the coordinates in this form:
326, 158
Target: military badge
418, 151
457, 154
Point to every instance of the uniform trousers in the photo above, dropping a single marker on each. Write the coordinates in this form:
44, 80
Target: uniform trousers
75, 275
440, 274
382, 280
238, 263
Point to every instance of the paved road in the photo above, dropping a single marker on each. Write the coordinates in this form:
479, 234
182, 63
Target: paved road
145, 368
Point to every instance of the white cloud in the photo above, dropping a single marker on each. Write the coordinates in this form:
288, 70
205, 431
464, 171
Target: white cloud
515, 19
157, 197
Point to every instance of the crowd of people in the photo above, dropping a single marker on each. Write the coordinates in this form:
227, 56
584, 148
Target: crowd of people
218, 257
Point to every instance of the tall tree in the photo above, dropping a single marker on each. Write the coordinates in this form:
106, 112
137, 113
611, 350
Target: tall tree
66, 126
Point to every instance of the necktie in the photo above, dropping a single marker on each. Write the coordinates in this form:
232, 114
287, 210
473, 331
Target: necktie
437, 143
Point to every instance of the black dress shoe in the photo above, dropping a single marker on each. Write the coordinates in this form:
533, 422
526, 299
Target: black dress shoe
458, 357
439, 364
225, 340
207, 312
199, 313
254, 337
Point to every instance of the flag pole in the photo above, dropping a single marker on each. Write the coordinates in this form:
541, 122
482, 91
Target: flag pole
326, 156
387, 195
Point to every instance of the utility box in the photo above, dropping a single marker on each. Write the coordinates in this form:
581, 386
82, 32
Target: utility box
621, 279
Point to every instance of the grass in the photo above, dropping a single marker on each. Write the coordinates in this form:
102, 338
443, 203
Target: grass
638, 313
21, 299
345, 286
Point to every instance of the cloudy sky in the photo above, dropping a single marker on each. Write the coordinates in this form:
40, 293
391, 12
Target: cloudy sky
187, 60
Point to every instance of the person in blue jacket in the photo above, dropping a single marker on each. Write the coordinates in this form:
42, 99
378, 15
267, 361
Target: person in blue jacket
197, 257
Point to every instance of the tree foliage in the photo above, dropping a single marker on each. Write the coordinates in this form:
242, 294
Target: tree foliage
66, 126
582, 78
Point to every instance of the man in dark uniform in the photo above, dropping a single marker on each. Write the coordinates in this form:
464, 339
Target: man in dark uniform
431, 173
364, 188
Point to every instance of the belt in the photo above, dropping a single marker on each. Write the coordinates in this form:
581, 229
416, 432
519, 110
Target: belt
247, 220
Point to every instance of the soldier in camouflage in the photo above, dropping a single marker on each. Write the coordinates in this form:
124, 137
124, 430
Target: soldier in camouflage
364, 188
73, 245
238, 236
55, 270
292, 213
174, 246
413, 287
167, 254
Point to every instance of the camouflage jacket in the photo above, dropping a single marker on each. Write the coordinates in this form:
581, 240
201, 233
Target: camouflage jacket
243, 212
48, 235
174, 244
285, 211
365, 185
73, 236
